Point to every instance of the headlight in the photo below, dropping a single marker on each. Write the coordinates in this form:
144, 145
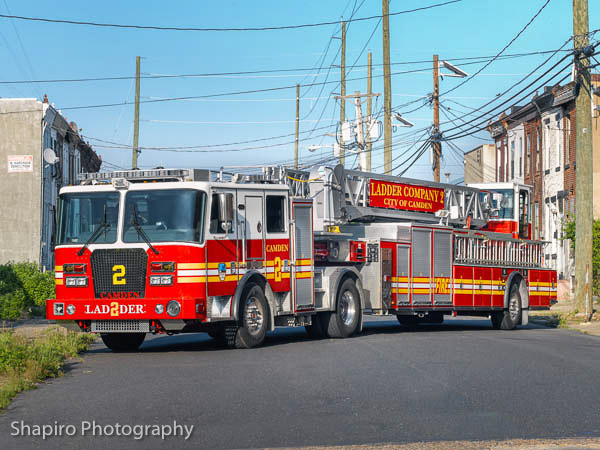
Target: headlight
76, 281
71, 309
159, 309
161, 280
173, 308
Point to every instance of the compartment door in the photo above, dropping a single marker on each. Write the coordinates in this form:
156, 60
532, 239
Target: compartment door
303, 268
442, 267
253, 227
421, 267
401, 284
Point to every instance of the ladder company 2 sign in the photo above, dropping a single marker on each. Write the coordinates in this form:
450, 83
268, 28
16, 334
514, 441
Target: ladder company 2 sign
20, 163
385, 194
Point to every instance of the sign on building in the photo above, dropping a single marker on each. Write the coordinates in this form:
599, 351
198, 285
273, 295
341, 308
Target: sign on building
20, 163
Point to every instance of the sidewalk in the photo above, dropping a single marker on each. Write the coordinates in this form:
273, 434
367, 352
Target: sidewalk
560, 316
29, 327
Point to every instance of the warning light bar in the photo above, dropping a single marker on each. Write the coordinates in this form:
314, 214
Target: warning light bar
134, 176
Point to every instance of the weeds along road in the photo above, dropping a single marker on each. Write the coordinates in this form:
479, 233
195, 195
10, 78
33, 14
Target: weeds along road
458, 381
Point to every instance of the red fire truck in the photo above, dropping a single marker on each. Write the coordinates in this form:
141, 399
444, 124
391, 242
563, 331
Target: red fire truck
234, 255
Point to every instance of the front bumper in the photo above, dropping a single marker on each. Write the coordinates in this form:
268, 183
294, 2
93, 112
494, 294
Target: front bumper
123, 309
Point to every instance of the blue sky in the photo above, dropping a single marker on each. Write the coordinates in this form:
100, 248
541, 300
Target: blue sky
466, 29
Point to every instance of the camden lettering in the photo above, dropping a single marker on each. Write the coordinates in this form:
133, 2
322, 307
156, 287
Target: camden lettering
119, 295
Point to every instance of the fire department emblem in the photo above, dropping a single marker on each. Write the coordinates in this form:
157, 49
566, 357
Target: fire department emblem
222, 271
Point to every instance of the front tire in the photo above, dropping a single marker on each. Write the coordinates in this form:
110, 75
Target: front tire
254, 318
123, 342
345, 321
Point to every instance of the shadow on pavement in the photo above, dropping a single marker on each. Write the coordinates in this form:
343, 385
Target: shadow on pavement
194, 342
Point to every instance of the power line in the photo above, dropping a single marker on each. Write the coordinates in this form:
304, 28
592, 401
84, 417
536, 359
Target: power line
150, 76
520, 81
25, 55
500, 52
180, 28
446, 111
477, 126
192, 97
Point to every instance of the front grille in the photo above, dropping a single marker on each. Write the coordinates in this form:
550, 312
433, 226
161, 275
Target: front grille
120, 326
118, 271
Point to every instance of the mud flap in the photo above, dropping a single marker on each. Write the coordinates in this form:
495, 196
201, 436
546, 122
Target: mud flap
524, 317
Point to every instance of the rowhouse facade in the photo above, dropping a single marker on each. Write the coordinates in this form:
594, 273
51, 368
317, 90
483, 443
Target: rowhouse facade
29, 185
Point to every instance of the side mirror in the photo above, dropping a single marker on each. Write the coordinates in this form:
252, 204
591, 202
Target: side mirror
225, 210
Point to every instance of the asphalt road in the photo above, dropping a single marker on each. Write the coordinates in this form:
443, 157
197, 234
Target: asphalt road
457, 381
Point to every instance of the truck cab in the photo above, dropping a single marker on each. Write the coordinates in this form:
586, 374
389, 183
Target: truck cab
511, 208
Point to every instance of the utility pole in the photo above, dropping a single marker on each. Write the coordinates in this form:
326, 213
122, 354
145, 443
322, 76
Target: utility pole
436, 120
369, 108
584, 183
387, 90
136, 119
359, 125
343, 90
297, 126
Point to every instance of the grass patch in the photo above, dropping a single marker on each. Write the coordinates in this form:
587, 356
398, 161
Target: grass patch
25, 361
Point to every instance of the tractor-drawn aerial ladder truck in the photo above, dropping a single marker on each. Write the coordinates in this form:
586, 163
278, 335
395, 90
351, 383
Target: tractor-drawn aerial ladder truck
234, 255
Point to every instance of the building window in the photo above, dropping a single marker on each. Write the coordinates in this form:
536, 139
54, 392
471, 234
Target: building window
539, 148
512, 159
568, 138
528, 162
547, 149
520, 157
535, 220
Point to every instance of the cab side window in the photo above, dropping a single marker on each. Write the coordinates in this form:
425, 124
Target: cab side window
275, 214
215, 227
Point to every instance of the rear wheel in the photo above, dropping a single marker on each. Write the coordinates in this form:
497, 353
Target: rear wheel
345, 321
123, 342
511, 317
254, 318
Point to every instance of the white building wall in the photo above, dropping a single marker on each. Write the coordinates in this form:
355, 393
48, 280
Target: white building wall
553, 165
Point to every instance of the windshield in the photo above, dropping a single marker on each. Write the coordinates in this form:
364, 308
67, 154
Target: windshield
164, 215
503, 199
80, 214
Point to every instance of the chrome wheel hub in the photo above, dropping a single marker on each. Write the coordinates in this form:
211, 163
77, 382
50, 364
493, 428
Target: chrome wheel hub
254, 317
347, 308
513, 308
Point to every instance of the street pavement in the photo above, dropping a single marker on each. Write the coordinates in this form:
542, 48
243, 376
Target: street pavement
460, 381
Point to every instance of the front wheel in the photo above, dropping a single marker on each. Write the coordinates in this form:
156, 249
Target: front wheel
123, 342
254, 318
345, 321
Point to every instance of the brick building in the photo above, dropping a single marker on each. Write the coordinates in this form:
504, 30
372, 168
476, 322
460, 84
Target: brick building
535, 146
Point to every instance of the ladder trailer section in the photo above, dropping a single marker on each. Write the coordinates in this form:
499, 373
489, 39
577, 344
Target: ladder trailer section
187, 250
